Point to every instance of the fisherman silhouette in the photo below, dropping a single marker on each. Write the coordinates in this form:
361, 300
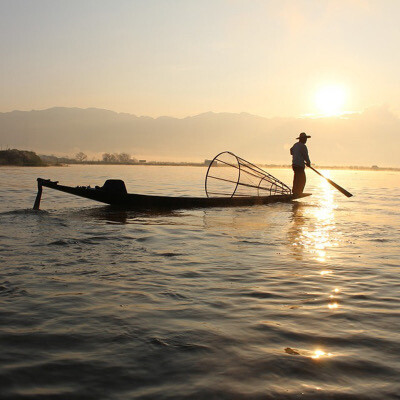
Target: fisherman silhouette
300, 159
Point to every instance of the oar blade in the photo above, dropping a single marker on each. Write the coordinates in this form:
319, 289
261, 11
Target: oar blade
344, 191
335, 185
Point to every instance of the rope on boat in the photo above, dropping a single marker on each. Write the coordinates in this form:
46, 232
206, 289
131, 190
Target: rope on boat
231, 176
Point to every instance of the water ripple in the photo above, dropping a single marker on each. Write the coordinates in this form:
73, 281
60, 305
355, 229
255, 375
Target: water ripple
286, 301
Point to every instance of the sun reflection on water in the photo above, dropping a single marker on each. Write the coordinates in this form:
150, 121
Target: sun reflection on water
333, 305
313, 233
317, 354
313, 226
320, 354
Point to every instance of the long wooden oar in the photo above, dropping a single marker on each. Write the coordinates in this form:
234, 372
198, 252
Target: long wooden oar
335, 185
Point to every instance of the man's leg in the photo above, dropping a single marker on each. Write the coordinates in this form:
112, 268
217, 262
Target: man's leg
295, 188
302, 180
299, 180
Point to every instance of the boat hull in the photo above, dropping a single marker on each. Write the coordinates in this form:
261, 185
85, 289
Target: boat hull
140, 201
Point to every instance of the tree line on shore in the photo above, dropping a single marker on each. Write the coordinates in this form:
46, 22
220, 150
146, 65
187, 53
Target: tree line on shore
109, 158
20, 158
30, 158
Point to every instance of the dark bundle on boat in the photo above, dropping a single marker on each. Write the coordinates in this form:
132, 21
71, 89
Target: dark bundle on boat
230, 181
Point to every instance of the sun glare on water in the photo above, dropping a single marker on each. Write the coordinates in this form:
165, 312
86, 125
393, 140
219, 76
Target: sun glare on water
330, 100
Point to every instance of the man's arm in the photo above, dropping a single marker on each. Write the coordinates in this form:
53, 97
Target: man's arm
306, 157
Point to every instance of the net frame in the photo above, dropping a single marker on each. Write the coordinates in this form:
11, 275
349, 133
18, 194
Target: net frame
245, 168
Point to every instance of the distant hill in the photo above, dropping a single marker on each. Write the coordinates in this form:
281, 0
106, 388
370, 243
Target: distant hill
68, 130
20, 158
360, 139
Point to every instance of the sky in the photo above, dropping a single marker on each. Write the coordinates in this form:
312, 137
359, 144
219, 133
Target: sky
273, 58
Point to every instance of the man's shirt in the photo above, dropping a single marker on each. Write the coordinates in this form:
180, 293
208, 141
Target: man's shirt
299, 154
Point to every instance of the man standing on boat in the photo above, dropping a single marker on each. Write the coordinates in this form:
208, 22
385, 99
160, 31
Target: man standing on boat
300, 159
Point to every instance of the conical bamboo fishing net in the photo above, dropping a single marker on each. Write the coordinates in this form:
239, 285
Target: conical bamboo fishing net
231, 176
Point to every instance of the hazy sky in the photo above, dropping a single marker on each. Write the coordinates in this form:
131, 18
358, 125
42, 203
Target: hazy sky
183, 57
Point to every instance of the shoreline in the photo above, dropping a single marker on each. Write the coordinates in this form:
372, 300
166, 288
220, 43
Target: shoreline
190, 164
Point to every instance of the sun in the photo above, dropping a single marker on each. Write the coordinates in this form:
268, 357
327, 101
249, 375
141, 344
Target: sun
330, 100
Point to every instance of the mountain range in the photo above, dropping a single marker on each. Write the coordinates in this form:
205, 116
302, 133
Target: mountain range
363, 139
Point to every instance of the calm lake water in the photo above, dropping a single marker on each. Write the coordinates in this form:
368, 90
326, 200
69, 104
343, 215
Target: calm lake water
282, 301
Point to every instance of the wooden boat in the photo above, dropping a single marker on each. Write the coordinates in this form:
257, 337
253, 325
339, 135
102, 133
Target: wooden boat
114, 193
230, 181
